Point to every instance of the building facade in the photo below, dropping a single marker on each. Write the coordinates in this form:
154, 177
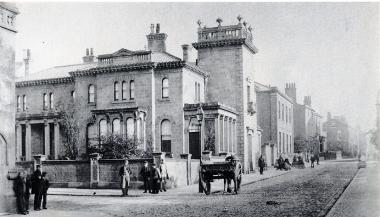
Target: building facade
337, 134
149, 95
275, 117
307, 123
8, 31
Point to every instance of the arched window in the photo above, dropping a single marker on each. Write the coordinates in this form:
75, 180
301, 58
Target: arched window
102, 128
91, 93
24, 102
279, 111
51, 96
132, 89
116, 126
166, 134
91, 134
116, 91
165, 88
18, 102
45, 105
130, 128
73, 94
124, 90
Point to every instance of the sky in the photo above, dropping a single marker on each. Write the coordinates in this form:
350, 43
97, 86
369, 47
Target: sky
330, 50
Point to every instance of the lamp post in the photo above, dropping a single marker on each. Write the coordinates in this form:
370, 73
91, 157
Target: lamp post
200, 119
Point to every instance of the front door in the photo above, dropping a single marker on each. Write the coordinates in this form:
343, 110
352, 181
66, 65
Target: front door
195, 145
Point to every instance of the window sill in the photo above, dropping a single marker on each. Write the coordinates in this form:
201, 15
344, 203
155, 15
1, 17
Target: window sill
91, 104
123, 101
164, 100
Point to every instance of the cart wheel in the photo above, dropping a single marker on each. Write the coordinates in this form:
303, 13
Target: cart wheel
208, 188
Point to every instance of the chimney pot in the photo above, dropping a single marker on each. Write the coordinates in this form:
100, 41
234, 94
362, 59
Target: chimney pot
91, 52
152, 28
87, 53
185, 49
158, 28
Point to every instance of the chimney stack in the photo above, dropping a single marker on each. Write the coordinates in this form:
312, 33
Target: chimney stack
156, 41
27, 61
89, 58
185, 49
291, 91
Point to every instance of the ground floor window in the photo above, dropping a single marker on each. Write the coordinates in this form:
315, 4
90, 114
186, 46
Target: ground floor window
166, 136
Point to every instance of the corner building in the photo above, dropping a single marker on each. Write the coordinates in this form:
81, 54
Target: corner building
150, 95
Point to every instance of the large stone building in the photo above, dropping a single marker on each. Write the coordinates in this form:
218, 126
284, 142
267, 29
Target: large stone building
7, 103
275, 117
307, 123
149, 95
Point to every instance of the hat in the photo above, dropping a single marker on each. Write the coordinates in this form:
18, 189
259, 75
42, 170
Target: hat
145, 161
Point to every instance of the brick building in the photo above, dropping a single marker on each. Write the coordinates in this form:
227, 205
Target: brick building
275, 117
7, 103
149, 95
307, 123
337, 133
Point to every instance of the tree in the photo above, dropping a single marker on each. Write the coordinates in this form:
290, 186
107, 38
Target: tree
118, 147
209, 144
70, 128
375, 138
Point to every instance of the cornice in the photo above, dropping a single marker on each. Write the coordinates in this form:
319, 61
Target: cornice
225, 42
113, 68
44, 82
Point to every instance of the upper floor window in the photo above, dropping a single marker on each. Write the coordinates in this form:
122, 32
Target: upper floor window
124, 90
91, 93
248, 94
165, 88
282, 114
339, 135
287, 113
102, 128
197, 91
51, 101
132, 89
279, 111
116, 91
24, 102
130, 128
45, 104
18, 102
290, 114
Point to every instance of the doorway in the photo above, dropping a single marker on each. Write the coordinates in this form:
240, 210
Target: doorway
195, 145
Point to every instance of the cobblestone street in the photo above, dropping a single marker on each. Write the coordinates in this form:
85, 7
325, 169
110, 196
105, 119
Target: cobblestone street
308, 192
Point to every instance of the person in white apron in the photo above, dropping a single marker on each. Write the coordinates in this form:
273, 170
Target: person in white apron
124, 174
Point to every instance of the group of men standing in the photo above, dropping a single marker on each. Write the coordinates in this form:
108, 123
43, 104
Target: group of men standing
154, 177
39, 185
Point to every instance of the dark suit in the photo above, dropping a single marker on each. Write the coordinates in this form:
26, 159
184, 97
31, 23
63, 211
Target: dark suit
37, 188
20, 191
45, 187
146, 173
156, 176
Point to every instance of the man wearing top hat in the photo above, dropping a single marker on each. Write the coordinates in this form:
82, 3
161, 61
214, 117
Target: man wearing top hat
156, 176
146, 173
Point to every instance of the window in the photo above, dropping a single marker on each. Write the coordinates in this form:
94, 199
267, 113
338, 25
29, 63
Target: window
199, 92
130, 128
248, 94
102, 128
116, 91
132, 89
24, 102
73, 95
279, 111
279, 142
166, 133
165, 88
287, 143
282, 114
116, 126
45, 105
51, 105
287, 113
196, 91
339, 135
91, 93
290, 114
124, 90
18, 102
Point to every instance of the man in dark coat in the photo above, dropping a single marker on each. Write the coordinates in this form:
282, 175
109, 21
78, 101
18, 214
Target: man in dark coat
20, 191
124, 174
261, 164
37, 188
27, 193
45, 187
146, 174
156, 176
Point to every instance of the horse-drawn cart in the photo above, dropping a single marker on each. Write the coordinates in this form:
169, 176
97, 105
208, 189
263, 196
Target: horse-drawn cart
229, 169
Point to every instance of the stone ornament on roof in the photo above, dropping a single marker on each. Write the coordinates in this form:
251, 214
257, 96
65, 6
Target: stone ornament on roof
219, 21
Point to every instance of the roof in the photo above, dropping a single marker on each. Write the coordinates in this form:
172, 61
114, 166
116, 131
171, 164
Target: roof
163, 57
56, 72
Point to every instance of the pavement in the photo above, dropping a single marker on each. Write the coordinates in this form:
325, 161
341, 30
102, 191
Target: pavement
362, 196
216, 186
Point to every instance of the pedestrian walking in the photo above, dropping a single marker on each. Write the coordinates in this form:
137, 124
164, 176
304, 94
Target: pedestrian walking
146, 173
156, 176
164, 175
312, 159
317, 158
27, 193
261, 164
37, 188
20, 190
125, 179
45, 187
